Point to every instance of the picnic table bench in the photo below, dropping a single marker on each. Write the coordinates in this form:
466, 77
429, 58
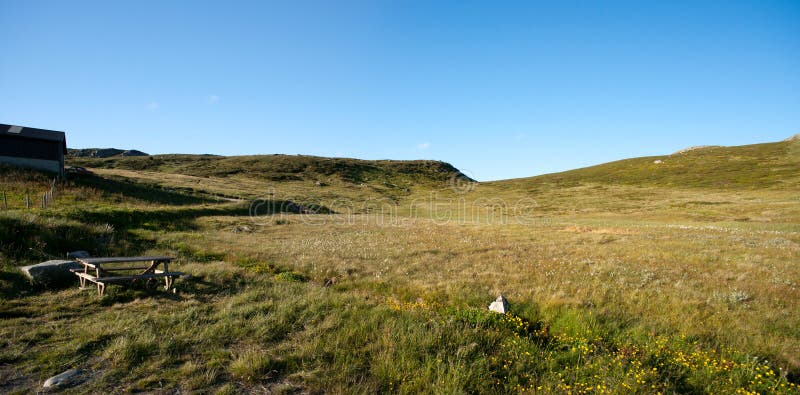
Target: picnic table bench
102, 271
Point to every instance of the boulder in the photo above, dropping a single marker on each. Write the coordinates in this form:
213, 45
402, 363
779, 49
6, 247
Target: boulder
500, 305
51, 273
65, 379
78, 254
241, 229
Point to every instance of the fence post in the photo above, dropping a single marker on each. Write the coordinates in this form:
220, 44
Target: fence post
5, 202
27, 200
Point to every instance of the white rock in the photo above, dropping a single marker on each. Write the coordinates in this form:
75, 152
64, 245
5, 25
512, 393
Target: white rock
500, 305
657, 161
62, 379
241, 229
51, 272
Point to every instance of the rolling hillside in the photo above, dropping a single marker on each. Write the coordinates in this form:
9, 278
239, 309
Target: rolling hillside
286, 168
769, 165
717, 183
299, 178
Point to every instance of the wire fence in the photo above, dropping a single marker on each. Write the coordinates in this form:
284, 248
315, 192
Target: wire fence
27, 199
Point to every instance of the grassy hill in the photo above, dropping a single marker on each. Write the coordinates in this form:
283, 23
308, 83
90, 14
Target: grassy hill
287, 168
758, 166
757, 183
337, 183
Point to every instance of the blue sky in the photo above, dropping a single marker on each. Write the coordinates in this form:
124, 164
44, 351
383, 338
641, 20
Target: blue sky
500, 89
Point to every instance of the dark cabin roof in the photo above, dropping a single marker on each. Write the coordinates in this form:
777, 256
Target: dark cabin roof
34, 133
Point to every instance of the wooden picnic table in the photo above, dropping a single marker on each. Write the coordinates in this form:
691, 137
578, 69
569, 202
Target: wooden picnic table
108, 270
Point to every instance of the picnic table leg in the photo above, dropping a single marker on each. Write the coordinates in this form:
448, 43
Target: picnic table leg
151, 268
100, 286
167, 279
83, 279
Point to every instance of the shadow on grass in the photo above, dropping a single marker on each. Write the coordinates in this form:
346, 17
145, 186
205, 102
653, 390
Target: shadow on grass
197, 287
202, 288
128, 292
13, 284
150, 193
171, 219
183, 218
23, 239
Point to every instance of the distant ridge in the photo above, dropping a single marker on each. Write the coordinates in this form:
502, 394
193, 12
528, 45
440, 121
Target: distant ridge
794, 138
102, 152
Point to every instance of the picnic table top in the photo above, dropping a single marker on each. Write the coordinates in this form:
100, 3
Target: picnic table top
95, 261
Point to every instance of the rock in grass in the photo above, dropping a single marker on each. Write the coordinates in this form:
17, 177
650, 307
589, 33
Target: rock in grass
51, 273
500, 305
65, 379
241, 229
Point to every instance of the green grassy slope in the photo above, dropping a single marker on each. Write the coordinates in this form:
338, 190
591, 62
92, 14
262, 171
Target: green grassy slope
770, 165
286, 168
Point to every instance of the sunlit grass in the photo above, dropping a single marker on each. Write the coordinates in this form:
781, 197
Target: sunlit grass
615, 287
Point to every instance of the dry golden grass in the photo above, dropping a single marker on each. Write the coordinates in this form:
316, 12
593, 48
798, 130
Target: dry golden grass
727, 284
615, 288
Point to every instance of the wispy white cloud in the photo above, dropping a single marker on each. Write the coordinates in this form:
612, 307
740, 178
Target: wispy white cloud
211, 99
152, 106
424, 145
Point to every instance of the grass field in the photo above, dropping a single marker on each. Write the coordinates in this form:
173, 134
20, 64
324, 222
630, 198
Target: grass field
312, 275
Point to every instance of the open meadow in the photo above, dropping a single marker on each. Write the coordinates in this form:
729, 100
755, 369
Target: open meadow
322, 276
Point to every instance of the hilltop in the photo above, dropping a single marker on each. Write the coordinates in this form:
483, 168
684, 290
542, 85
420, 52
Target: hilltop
756, 166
